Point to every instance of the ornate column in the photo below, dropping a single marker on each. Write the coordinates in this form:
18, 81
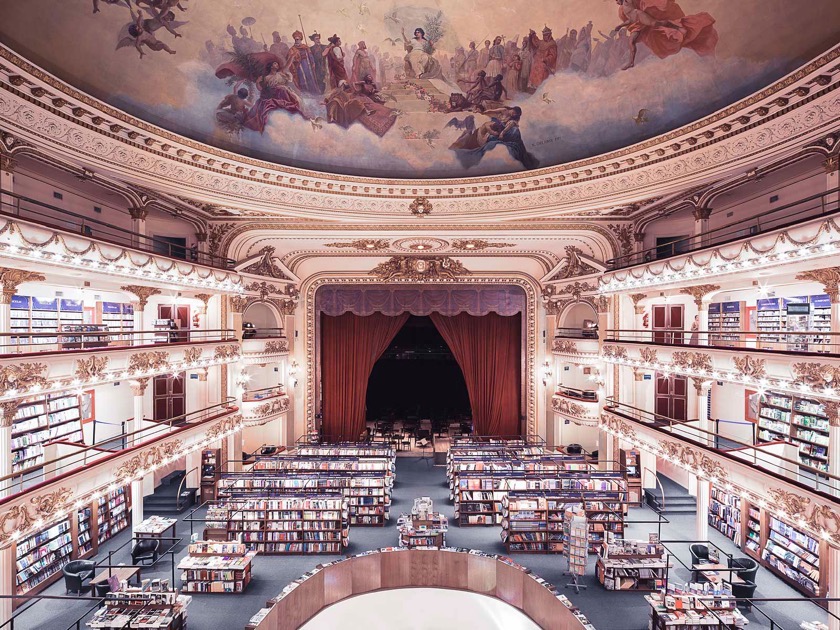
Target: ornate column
7, 182
639, 317
201, 239
234, 449
699, 292
138, 391
8, 411
702, 387
832, 178
142, 293
237, 307
638, 242
701, 226
10, 280
701, 523
138, 227
202, 312
829, 278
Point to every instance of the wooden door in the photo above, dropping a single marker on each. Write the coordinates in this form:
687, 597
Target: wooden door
668, 323
671, 397
180, 313
169, 396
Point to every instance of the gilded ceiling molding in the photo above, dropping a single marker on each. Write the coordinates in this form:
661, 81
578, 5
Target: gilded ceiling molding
419, 269
529, 384
711, 143
700, 291
477, 244
11, 279
91, 368
362, 244
828, 277
41, 508
266, 266
148, 361
420, 207
748, 365
142, 293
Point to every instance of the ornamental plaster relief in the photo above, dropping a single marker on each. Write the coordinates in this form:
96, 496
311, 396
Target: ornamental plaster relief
787, 113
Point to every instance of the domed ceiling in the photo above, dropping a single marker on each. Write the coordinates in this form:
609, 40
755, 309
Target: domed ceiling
424, 89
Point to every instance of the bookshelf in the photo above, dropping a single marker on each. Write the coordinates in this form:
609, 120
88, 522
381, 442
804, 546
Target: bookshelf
84, 532
752, 532
820, 322
525, 527
113, 511
770, 318
70, 342
726, 319
632, 565
118, 317
725, 514
41, 556
160, 610
368, 493
418, 530
211, 459
311, 524
216, 567
342, 463
40, 420
794, 556
630, 463
798, 420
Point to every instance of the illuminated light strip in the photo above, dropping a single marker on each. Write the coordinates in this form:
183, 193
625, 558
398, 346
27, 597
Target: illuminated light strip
753, 498
610, 284
93, 495
181, 366
763, 383
172, 275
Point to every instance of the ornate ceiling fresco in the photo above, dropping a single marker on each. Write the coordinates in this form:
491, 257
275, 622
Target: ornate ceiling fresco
231, 73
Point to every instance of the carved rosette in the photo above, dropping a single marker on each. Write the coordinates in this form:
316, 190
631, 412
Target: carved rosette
12, 278
22, 377
148, 361
93, 367
20, 518
142, 293
419, 269
700, 291
152, 456
750, 366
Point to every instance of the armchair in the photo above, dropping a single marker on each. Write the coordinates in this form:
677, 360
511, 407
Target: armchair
699, 555
745, 590
145, 549
76, 572
747, 568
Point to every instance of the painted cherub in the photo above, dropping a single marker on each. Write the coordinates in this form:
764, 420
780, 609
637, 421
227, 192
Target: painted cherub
141, 33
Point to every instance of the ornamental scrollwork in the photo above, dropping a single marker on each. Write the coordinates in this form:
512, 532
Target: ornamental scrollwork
22, 376
142, 293
20, 518
276, 346
148, 361
574, 266
700, 291
272, 407
417, 269
648, 355
750, 366
696, 361
364, 244
264, 289
226, 352
562, 405
191, 355
223, 426
153, 456
828, 277
818, 518
10, 279
601, 303
614, 352
617, 426
693, 459
266, 266
816, 374
238, 303
565, 346
93, 367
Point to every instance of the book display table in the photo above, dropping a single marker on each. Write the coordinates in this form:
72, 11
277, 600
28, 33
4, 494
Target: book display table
158, 610
632, 565
216, 567
155, 527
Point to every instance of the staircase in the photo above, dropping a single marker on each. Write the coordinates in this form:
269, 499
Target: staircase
163, 501
674, 500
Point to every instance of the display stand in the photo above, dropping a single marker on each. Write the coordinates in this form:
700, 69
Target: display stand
632, 565
423, 527
164, 610
210, 473
575, 544
216, 567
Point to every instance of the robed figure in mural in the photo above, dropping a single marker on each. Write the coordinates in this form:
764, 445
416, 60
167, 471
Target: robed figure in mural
419, 62
302, 66
317, 49
543, 56
501, 130
663, 26
334, 54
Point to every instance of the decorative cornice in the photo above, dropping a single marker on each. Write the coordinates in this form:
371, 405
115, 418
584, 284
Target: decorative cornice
362, 244
698, 292
419, 269
828, 277
575, 266
12, 278
142, 293
204, 297
638, 297
477, 244
420, 207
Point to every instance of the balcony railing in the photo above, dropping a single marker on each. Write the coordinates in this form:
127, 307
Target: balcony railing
583, 395
796, 342
34, 211
86, 455
576, 333
756, 455
266, 393
811, 207
262, 333
34, 343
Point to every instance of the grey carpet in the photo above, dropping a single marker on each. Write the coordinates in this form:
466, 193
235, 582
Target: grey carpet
606, 610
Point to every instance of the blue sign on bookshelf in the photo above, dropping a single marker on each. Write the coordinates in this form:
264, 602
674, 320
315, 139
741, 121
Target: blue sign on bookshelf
111, 307
798, 308
821, 301
20, 302
714, 309
75, 306
44, 305
128, 309
768, 304
731, 307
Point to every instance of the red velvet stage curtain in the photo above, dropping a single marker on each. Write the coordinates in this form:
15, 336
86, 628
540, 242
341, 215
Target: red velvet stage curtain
488, 350
350, 345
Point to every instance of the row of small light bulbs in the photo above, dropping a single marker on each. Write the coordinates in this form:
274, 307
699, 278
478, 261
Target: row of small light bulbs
610, 284
762, 383
123, 481
172, 275
746, 495
66, 384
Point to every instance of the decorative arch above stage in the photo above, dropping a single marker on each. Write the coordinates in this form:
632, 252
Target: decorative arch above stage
448, 301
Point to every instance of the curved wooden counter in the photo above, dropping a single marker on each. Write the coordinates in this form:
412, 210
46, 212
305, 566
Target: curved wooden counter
384, 569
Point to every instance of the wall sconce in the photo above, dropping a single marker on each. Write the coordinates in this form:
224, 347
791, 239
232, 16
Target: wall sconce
546, 373
293, 368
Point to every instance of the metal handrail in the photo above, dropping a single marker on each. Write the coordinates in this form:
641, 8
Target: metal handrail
263, 333
576, 333
562, 389
247, 396
83, 456
181, 485
823, 482
55, 217
733, 231
9, 340
823, 342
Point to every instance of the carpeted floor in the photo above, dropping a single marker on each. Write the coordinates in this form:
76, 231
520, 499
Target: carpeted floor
606, 610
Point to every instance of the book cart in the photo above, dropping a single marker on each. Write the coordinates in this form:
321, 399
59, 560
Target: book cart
216, 567
287, 525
